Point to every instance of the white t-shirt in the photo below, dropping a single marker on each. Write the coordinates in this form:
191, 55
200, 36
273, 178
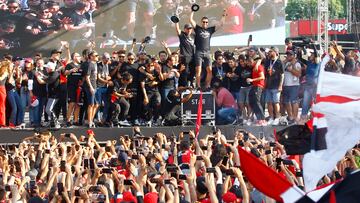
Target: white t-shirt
289, 78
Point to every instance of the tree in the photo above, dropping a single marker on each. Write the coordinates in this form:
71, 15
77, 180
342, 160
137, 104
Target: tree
307, 9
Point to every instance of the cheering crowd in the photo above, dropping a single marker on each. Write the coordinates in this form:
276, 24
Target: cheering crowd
136, 168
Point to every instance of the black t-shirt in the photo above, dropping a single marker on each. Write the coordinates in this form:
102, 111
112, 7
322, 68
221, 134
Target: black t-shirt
74, 77
234, 82
133, 69
150, 85
218, 73
39, 90
168, 82
349, 66
118, 87
245, 73
53, 84
77, 20
186, 44
67, 12
202, 38
273, 72
91, 71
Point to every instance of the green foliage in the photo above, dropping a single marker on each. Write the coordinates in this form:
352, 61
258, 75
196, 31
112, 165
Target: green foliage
307, 9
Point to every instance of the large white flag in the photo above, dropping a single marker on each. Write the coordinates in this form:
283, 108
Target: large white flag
337, 108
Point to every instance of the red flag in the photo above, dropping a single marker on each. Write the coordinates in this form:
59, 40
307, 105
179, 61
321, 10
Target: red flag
275, 136
198, 119
260, 175
332, 197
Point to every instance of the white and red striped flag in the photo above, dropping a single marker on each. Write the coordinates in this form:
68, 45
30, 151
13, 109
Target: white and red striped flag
198, 118
336, 124
268, 181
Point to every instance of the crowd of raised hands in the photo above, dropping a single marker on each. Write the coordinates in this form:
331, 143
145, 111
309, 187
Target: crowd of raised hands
137, 168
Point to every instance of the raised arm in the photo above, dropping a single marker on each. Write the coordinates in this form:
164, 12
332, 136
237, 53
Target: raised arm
222, 21
192, 21
177, 29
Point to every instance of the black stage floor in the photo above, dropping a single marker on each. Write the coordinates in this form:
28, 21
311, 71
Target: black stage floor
104, 134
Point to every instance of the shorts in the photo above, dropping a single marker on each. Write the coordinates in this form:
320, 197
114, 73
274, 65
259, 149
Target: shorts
99, 95
244, 95
202, 58
272, 96
71, 91
148, 5
291, 94
90, 97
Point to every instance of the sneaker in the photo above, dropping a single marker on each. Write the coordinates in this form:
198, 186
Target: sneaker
92, 125
125, 123
57, 125
270, 121
21, 126
137, 122
276, 121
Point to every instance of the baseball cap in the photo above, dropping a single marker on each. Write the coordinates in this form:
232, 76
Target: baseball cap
129, 197
252, 48
50, 66
151, 197
188, 26
55, 51
290, 52
229, 197
274, 49
28, 60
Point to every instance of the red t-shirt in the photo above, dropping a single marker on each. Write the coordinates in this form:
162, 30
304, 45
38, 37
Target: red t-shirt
256, 74
234, 11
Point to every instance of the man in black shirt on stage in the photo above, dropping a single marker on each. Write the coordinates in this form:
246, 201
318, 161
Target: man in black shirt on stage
90, 77
202, 44
132, 67
74, 82
187, 49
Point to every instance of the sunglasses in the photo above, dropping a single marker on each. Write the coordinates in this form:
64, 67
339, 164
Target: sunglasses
205, 22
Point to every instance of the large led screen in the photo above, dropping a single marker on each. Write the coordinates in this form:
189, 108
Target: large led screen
29, 26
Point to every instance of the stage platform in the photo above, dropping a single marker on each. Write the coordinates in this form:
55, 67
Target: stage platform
103, 134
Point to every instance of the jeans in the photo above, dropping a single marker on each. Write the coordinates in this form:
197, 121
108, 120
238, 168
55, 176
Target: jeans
120, 110
309, 95
50, 109
226, 115
25, 101
255, 102
17, 115
102, 96
39, 110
